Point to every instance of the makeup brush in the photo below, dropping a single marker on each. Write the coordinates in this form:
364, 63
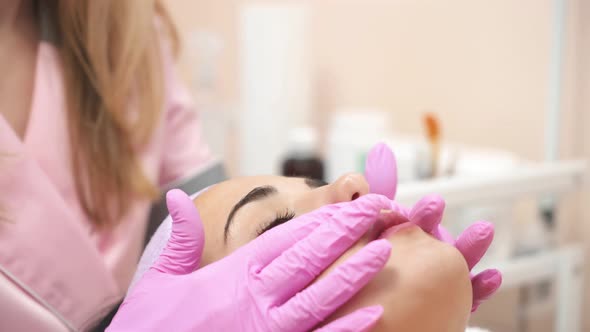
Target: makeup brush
433, 133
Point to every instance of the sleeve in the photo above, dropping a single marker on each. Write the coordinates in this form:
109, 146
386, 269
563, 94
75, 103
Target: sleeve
46, 254
185, 153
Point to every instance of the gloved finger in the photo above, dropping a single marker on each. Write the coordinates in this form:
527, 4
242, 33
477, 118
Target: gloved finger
475, 241
362, 320
183, 251
273, 243
385, 222
381, 171
302, 263
296, 252
485, 284
428, 212
312, 305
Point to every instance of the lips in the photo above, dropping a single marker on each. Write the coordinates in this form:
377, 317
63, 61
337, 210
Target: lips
395, 229
387, 220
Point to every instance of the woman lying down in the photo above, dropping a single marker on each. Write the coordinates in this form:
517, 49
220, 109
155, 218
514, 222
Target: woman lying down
424, 287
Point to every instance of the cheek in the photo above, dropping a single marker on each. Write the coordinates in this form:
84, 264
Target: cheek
237, 240
306, 205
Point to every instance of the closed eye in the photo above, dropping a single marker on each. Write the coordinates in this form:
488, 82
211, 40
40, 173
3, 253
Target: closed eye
280, 219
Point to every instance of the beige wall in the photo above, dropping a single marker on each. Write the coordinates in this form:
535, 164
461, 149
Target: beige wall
474, 62
482, 65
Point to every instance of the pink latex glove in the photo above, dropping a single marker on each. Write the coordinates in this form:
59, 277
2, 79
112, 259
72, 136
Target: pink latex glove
381, 171
381, 174
264, 285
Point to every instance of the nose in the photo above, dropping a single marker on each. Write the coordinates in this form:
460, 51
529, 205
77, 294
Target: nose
347, 188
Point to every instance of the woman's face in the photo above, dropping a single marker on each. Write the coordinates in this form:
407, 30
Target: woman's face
424, 287
235, 212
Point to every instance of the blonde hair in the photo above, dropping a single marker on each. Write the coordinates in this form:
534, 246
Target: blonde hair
111, 54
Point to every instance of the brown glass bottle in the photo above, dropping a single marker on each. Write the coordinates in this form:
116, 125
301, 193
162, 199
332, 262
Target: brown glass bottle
302, 166
302, 159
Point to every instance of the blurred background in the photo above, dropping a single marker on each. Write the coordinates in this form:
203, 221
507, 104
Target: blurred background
484, 102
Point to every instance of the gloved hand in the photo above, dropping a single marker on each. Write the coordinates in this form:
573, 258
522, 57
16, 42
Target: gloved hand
264, 285
381, 174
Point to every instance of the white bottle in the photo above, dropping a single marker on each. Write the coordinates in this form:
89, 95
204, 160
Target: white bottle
351, 135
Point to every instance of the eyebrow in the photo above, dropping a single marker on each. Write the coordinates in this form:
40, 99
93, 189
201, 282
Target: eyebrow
254, 195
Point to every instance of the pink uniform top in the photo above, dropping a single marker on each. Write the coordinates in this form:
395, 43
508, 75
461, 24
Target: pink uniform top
56, 270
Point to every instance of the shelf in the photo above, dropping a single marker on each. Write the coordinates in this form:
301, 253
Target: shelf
539, 266
526, 180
